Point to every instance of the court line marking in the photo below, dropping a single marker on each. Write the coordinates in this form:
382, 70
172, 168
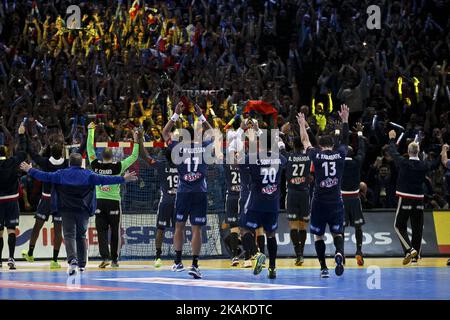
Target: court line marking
59, 287
211, 283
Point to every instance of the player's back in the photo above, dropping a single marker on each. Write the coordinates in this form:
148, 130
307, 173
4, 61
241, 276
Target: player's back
328, 171
265, 184
232, 179
298, 168
168, 177
193, 168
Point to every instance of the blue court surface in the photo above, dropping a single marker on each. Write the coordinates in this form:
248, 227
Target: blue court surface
379, 279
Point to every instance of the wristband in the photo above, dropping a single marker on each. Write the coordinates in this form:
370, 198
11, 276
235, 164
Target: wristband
175, 117
360, 133
202, 118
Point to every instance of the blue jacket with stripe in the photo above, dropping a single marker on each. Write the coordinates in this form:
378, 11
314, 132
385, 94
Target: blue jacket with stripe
75, 187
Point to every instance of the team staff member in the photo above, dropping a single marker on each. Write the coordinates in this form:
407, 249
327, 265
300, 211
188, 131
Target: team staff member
411, 178
108, 212
75, 192
9, 195
351, 180
46, 206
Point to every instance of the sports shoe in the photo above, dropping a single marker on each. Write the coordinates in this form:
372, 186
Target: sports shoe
104, 264
299, 261
409, 255
324, 273
195, 272
248, 263
26, 256
11, 264
114, 264
339, 269
178, 267
158, 263
448, 262
82, 269
272, 273
359, 259
72, 269
260, 260
235, 262
54, 265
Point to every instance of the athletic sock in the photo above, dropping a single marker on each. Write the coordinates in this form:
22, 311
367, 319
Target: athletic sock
248, 243
272, 248
1, 247
31, 250
302, 236
158, 253
320, 250
178, 257
11, 244
339, 244
195, 261
261, 240
234, 243
55, 255
359, 239
295, 238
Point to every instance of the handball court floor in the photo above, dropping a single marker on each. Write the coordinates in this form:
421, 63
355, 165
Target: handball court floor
380, 278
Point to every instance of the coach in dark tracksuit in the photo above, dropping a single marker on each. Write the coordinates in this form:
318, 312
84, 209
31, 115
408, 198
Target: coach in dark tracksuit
75, 191
410, 182
350, 193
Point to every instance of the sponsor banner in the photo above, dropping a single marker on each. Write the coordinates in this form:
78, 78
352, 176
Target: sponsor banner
442, 225
379, 236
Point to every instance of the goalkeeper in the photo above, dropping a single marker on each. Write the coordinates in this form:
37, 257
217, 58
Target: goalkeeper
108, 212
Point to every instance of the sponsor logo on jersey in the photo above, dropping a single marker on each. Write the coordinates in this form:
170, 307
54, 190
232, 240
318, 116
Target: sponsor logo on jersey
271, 188
297, 180
329, 183
192, 176
105, 188
236, 188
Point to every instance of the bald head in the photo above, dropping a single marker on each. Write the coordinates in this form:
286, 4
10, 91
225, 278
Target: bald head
75, 160
413, 149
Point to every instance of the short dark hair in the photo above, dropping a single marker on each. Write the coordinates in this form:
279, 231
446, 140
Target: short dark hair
107, 154
326, 141
298, 145
75, 160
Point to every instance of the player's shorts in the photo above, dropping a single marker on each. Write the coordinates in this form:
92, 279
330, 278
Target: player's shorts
323, 213
353, 211
166, 213
45, 209
254, 219
193, 205
108, 207
297, 205
9, 214
232, 208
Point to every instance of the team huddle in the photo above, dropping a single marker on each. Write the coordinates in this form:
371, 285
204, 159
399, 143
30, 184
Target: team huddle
322, 182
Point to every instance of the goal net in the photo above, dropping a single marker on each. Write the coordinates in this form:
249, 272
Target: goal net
139, 208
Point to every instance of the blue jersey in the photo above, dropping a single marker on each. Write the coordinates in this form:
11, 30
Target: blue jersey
232, 179
328, 171
265, 183
192, 171
168, 178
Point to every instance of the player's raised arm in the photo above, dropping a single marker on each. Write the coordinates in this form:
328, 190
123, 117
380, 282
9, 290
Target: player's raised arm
127, 162
444, 158
392, 148
176, 115
90, 142
344, 117
303, 134
201, 117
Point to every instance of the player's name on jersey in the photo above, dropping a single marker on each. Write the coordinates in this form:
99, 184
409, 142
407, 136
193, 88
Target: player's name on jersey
328, 156
298, 158
104, 171
171, 170
193, 150
268, 161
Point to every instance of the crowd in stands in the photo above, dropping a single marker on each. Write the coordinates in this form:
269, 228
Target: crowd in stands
130, 62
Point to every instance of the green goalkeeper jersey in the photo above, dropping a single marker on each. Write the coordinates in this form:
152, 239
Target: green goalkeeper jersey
111, 192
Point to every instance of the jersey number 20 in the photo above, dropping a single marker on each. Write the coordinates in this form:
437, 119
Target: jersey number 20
270, 175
